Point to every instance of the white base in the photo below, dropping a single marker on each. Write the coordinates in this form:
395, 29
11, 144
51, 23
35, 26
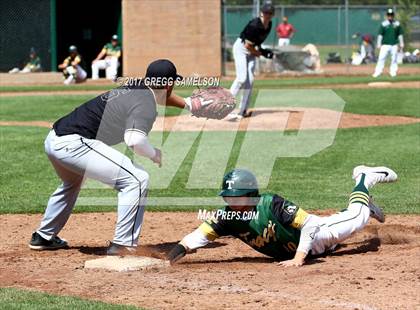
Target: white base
126, 263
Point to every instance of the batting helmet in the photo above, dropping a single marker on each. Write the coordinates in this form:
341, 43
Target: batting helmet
72, 49
239, 182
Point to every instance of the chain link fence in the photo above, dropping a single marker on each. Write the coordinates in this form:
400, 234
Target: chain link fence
24, 24
331, 28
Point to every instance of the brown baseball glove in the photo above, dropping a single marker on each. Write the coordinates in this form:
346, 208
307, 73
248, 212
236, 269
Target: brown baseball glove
213, 102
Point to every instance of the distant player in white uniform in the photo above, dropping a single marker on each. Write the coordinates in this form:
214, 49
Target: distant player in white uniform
245, 50
107, 59
79, 146
390, 38
72, 67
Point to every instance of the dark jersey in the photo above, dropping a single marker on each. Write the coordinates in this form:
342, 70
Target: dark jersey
109, 115
274, 232
255, 32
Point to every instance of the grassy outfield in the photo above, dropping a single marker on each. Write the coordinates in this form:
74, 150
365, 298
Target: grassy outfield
318, 182
280, 82
11, 298
404, 102
363, 101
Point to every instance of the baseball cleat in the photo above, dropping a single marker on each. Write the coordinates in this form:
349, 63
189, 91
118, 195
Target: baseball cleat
120, 250
374, 175
247, 114
376, 212
40, 244
234, 117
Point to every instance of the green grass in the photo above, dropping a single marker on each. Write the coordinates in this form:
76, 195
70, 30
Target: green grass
280, 82
41, 108
343, 50
404, 102
318, 182
364, 101
11, 298
300, 82
47, 88
47, 108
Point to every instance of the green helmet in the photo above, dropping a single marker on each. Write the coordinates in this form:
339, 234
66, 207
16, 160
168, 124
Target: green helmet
239, 182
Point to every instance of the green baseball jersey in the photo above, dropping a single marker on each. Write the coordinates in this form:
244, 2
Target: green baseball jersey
33, 64
36, 61
390, 32
273, 231
111, 50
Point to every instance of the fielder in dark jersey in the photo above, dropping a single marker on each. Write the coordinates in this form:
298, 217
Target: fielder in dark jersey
255, 32
79, 146
107, 117
245, 51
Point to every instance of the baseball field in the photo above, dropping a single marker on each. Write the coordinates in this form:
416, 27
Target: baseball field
378, 268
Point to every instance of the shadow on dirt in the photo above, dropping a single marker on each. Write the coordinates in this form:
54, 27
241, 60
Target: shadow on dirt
243, 259
369, 245
153, 250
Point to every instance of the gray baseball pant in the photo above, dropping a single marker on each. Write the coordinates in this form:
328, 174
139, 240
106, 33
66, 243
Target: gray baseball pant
75, 158
245, 66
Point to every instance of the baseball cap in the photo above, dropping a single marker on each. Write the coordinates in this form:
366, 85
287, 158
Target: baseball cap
114, 37
390, 12
162, 68
268, 8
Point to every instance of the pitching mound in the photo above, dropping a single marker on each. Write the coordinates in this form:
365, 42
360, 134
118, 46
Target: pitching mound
265, 119
278, 119
377, 268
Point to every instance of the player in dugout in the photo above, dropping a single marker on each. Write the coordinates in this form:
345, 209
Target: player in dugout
107, 59
72, 67
32, 65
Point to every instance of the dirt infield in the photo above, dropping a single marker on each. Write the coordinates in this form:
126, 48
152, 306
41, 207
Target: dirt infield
331, 70
265, 119
378, 268
396, 84
272, 119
